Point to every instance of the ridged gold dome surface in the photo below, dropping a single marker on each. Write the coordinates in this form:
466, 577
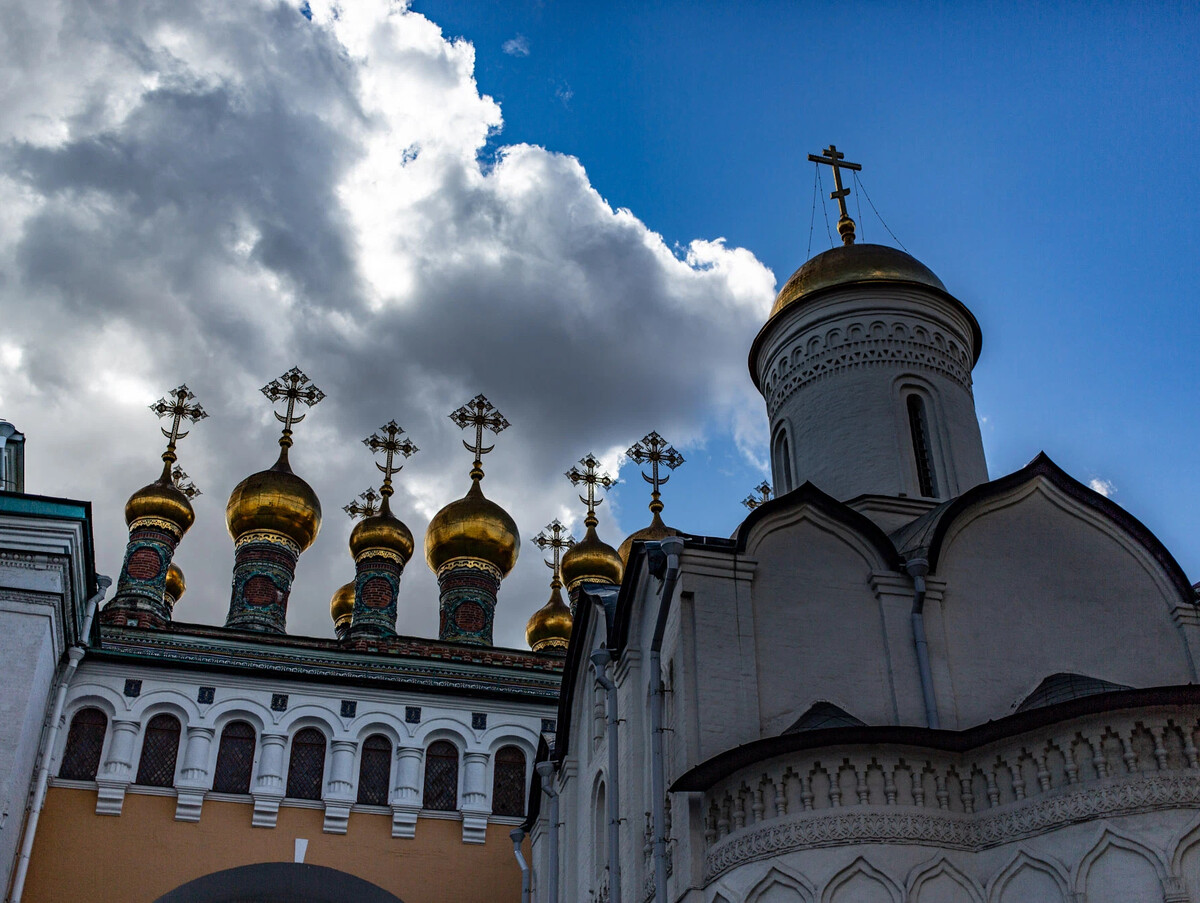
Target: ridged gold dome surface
472, 527
549, 627
341, 606
382, 531
161, 500
592, 559
656, 531
275, 500
176, 585
854, 263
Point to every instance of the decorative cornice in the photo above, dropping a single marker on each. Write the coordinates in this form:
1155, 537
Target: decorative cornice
268, 536
470, 564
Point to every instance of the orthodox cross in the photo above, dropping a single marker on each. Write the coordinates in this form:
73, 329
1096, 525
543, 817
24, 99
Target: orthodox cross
836, 159
479, 413
387, 439
183, 483
657, 452
369, 506
753, 501
177, 405
295, 387
591, 477
557, 539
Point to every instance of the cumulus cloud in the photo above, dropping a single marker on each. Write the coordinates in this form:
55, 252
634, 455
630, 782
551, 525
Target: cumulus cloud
1104, 487
212, 192
518, 46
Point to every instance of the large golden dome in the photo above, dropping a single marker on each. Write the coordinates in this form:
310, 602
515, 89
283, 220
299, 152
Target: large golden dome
275, 500
591, 559
176, 585
163, 501
341, 606
382, 531
854, 263
549, 628
655, 531
472, 527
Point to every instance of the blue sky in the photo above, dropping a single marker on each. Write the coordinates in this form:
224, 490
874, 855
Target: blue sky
1041, 160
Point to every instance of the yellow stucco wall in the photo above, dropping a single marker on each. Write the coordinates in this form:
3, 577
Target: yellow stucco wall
144, 853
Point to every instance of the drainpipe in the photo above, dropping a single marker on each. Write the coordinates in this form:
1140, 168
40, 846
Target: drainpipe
545, 771
74, 655
917, 569
517, 836
600, 660
664, 563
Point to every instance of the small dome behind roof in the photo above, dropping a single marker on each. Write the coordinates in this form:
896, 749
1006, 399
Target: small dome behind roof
549, 628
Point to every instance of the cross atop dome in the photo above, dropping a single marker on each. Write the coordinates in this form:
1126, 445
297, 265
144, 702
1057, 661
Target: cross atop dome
479, 413
387, 440
295, 387
656, 451
557, 539
836, 159
591, 477
176, 404
368, 507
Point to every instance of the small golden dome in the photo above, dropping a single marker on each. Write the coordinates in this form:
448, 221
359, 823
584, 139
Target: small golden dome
176, 585
854, 263
382, 531
655, 531
275, 500
472, 527
341, 606
160, 500
549, 629
592, 560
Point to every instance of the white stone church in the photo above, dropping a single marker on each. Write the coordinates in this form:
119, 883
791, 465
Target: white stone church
898, 680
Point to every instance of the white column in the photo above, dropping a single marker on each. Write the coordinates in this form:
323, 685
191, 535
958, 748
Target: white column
193, 778
475, 808
338, 796
406, 793
268, 785
117, 772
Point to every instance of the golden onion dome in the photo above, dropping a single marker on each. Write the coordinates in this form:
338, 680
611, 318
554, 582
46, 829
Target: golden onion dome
176, 585
852, 264
382, 531
591, 560
163, 501
655, 531
472, 527
549, 628
341, 606
275, 500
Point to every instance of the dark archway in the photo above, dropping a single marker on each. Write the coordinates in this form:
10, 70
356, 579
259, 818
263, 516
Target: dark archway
279, 882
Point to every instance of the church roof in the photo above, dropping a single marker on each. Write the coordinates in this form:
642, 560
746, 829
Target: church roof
1061, 687
821, 715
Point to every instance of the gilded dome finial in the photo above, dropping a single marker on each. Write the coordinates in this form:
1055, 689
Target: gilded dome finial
836, 159
295, 387
557, 539
591, 560
176, 404
591, 477
387, 440
549, 628
481, 414
764, 491
654, 450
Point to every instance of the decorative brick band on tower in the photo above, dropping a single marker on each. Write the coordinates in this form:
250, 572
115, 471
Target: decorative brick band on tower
264, 565
376, 590
141, 588
467, 600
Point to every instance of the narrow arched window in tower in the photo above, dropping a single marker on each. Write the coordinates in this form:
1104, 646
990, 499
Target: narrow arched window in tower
235, 758
441, 776
918, 423
508, 782
783, 463
85, 740
375, 771
160, 748
600, 832
306, 768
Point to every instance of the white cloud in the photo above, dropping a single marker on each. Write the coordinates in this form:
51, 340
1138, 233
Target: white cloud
216, 192
1104, 487
518, 46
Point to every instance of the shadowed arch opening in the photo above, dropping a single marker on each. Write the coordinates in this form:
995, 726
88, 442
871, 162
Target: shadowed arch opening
279, 882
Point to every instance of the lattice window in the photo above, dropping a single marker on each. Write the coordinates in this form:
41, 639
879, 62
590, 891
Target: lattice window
160, 748
375, 771
306, 770
235, 758
441, 776
85, 740
508, 782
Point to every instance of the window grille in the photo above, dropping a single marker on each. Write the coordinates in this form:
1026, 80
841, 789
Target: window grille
235, 758
375, 771
508, 782
441, 776
306, 769
85, 740
922, 448
159, 751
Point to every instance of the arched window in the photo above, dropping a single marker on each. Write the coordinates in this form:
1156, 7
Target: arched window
85, 740
375, 771
306, 769
441, 776
508, 782
235, 758
918, 424
159, 751
782, 458
600, 832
